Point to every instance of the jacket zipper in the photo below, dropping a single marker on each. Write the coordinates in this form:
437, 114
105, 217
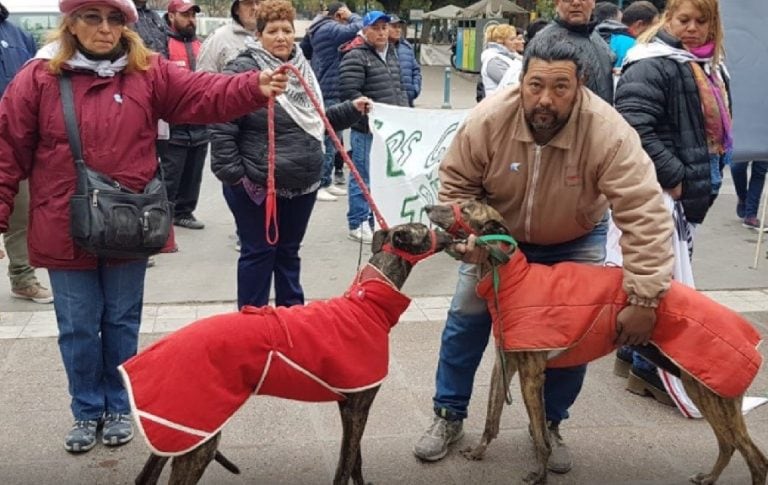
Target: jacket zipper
95, 200
534, 181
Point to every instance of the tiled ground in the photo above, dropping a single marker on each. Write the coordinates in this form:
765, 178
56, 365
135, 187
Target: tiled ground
167, 318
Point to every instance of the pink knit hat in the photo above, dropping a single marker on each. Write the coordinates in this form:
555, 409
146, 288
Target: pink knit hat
126, 6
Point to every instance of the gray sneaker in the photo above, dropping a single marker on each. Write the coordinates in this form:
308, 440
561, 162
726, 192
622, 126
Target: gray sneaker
560, 460
433, 444
82, 436
118, 429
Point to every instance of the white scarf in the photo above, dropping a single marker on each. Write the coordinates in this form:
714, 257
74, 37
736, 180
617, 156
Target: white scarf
103, 68
294, 99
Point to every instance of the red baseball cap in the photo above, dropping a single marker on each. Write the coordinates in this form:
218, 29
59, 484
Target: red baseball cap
182, 6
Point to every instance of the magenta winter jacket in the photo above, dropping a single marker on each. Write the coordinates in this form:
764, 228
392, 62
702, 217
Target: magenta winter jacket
118, 126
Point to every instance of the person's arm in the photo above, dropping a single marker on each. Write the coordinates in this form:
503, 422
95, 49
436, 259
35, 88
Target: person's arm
641, 98
181, 96
18, 136
416, 74
341, 33
496, 68
208, 58
352, 75
462, 167
306, 46
343, 115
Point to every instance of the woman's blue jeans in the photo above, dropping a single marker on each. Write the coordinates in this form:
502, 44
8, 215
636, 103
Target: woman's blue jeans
468, 326
98, 313
359, 211
259, 260
749, 189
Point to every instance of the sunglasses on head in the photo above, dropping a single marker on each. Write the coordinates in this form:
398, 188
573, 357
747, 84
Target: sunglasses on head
94, 19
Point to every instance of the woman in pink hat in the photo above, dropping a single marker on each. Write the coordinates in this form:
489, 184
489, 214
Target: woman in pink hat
120, 91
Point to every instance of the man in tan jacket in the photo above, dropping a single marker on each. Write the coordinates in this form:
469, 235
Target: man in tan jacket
550, 156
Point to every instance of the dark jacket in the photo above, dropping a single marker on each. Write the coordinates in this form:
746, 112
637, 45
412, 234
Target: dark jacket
118, 138
16, 48
363, 73
151, 29
594, 53
183, 51
658, 96
410, 70
321, 43
239, 148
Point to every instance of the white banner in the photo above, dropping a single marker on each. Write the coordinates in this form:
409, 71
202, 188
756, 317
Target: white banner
408, 145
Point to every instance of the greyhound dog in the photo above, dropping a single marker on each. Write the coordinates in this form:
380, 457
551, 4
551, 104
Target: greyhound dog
328, 350
723, 413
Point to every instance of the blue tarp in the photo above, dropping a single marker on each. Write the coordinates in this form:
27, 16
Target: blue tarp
746, 42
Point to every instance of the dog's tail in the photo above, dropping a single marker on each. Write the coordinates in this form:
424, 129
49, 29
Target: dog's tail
223, 461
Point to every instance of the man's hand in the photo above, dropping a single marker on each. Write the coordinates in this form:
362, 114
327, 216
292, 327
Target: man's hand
271, 84
676, 192
470, 252
635, 324
2, 254
363, 105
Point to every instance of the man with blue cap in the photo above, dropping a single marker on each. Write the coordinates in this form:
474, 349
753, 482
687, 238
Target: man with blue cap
369, 67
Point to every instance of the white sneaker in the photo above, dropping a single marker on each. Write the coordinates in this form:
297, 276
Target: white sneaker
362, 233
336, 190
324, 196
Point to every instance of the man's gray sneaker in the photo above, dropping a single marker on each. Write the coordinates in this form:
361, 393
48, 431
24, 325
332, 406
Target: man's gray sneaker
433, 444
118, 429
560, 460
82, 436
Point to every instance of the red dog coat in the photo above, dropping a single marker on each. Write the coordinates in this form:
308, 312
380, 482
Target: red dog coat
573, 307
185, 387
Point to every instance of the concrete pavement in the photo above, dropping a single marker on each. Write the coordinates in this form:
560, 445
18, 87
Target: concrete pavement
616, 437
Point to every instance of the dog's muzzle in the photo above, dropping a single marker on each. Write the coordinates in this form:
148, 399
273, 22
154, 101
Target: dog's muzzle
413, 258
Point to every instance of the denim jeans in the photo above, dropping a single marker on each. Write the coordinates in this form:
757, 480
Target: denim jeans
749, 189
259, 260
468, 326
330, 149
359, 211
98, 313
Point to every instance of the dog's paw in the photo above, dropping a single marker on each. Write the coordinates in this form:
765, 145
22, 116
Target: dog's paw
703, 479
473, 453
535, 478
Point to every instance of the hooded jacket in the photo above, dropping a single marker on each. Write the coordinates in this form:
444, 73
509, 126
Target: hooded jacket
183, 51
558, 192
222, 46
658, 96
364, 73
16, 48
118, 126
594, 54
325, 36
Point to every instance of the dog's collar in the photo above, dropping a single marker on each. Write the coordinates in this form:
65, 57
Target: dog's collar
413, 258
459, 224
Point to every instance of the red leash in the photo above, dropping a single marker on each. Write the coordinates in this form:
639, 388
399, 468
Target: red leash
271, 201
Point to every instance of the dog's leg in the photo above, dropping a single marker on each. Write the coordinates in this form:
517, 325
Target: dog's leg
354, 415
152, 470
187, 469
496, 395
727, 421
531, 367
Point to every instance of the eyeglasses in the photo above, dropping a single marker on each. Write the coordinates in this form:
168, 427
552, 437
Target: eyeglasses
94, 19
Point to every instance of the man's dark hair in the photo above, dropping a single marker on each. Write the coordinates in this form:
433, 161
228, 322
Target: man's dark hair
534, 28
3, 13
605, 11
551, 49
334, 7
642, 10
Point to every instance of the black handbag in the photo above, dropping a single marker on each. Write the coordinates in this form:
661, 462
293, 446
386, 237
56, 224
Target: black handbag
107, 219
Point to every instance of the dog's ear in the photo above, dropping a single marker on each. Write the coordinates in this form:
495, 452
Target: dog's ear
494, 227
379, 238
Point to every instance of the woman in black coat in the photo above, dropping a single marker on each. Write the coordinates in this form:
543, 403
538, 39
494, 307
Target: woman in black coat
239, 159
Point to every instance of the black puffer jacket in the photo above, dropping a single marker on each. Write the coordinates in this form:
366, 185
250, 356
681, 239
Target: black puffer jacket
658, 96
363, 73
594, 54
239, 148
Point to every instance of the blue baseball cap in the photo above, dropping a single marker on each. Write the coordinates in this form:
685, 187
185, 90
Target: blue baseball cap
374, 16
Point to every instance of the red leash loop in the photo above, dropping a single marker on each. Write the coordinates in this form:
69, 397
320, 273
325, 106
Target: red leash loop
271, 201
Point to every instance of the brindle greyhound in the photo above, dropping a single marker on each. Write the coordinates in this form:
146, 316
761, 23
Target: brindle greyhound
723, 414
395, 251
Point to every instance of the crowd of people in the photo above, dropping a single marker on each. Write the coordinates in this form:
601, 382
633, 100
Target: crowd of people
607, 109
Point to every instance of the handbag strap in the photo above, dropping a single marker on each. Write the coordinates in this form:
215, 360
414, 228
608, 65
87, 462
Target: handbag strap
68, 104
